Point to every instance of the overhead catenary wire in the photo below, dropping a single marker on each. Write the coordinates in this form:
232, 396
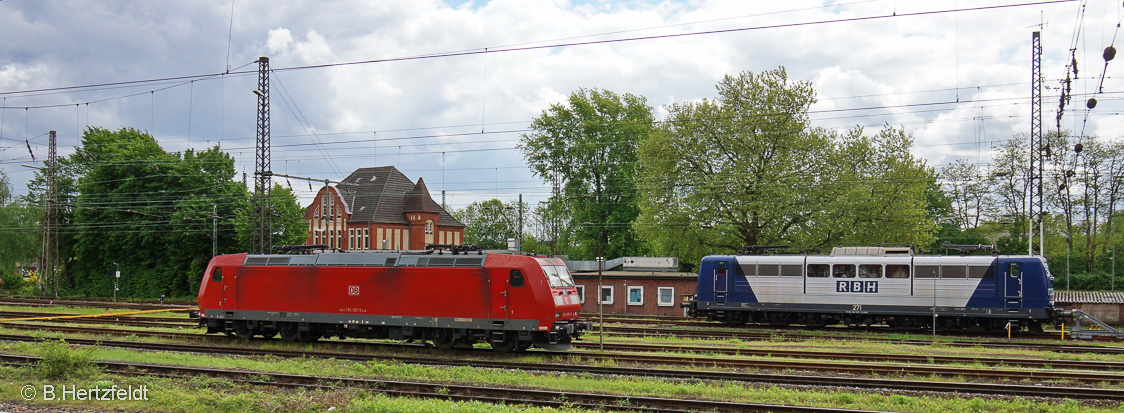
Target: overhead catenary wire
373, 141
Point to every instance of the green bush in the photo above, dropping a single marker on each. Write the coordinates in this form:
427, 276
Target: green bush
11, 281
60, 361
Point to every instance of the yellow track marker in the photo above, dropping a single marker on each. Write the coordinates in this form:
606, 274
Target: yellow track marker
91, 315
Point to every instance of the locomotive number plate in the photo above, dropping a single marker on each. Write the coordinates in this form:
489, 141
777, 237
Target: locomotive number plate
856, 286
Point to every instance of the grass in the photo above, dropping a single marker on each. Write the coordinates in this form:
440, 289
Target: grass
185, 394
223, 395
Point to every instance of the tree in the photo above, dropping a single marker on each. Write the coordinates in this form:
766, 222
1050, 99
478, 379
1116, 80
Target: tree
124, 200
488, 223
587, 146
287, 226
19, 236
746, 169
969, 190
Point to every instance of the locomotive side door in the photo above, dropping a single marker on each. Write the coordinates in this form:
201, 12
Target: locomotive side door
501, 286
1013, 286
225, 286
721, 281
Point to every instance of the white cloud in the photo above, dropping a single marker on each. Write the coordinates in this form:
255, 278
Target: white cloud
901, 65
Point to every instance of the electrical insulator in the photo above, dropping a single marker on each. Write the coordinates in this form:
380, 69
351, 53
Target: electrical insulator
1092, 103
1078, 147
1109, 53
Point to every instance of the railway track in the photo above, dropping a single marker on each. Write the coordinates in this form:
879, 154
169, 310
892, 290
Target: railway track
654, 348
113, 320
825, 330
73, 302
1036, 389
767, 336
157, 319
445, 391
835, 355
181, 323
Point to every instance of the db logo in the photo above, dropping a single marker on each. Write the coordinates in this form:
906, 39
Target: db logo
353, 290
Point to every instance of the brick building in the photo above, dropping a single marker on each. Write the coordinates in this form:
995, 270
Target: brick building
636, 292
379, 208
1102, 305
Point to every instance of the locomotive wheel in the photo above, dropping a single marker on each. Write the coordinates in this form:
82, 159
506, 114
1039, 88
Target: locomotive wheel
242, 330
508, 344
442, 338
289, 332
268, 332
523, 346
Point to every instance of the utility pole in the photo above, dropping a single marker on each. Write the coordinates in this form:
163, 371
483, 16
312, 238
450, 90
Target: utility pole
214, 230
519, 229
262, 170
47, 275
1039, 150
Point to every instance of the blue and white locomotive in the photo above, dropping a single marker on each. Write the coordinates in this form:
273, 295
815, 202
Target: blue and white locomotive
876, 285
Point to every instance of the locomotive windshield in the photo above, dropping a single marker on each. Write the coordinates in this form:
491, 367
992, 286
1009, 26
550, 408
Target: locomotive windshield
558, 276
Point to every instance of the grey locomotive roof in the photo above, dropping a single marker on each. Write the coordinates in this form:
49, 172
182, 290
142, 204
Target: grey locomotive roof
383, 194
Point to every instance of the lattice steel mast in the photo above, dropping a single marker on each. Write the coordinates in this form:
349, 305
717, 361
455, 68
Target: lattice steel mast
263, 239
47, 277
1039, 150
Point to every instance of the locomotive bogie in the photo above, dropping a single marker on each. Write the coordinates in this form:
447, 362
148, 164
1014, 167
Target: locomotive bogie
956, 292
509, 301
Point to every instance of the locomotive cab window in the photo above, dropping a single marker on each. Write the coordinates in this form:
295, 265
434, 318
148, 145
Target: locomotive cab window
558, 276
870, 271
216, 275
843, 271
818, 270
516, 278
1013, 270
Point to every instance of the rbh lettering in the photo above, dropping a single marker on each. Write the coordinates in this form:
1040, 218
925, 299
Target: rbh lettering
856, 287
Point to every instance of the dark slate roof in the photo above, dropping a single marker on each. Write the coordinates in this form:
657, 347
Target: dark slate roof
379, 195
418, 200
1088, 297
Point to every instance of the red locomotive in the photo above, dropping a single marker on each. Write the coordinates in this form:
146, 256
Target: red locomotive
510, 301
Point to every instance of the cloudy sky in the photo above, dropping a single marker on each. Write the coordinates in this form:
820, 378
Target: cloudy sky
956, 74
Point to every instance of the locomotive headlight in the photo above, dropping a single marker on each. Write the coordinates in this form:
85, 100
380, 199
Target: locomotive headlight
557, 315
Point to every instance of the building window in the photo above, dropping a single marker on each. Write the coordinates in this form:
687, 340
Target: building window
581, 293
429, 231
456, 238
366, 238
666, 296
635, 295
606, 294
